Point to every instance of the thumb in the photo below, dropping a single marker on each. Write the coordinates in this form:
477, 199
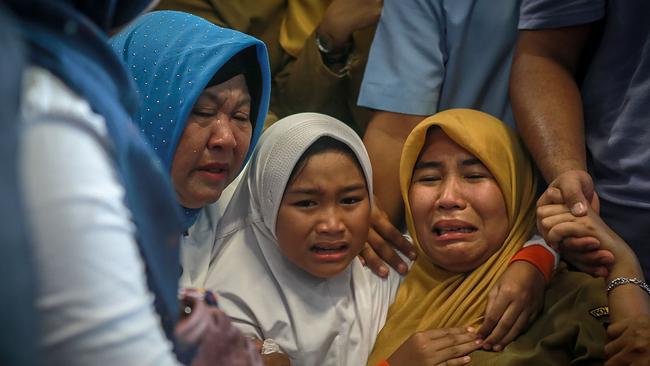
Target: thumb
576, 198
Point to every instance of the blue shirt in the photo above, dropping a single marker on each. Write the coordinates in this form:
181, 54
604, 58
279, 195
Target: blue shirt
431, 55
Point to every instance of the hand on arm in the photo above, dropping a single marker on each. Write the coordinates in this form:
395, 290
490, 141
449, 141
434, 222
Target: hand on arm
584, 252
383, 239
449, 347
629, 304
513, 303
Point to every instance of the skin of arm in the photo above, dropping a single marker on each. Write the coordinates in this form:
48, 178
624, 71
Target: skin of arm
384, 139
629, 304
547, 106
546, 100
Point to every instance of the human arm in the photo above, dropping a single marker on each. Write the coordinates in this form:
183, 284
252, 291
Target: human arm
547, 107
346, 29
384, 139
517, 297
583, 252
449, 346
629, 304
384, 240
91, 278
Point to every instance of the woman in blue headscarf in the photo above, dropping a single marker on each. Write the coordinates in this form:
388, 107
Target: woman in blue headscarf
103, 215
204, 93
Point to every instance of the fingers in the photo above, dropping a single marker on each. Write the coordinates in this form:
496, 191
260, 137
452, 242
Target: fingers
580, 245
191, 329
511, 317
615, 330
389, 233
567, 229
496, 306
386, 252
456, 361
551, 196
577, 190
439, 333
372, 260
545, 211
516, 329
585, 254
458, 353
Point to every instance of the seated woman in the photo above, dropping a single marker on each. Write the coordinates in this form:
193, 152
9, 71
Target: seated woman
469, 188
288, 269
628, 293
204, 92
203, 142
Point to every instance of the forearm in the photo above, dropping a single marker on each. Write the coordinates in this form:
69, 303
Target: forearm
546, 100
384, 140
630, 300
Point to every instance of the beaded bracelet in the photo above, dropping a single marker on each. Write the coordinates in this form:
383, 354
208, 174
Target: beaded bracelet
624, 281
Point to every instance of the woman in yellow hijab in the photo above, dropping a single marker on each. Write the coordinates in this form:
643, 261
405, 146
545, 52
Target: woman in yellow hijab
469, 193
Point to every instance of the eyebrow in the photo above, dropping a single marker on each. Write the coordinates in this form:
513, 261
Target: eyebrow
246, 99
315, 191
471, 161
433, 164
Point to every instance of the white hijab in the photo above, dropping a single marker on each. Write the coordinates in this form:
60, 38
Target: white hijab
316, 321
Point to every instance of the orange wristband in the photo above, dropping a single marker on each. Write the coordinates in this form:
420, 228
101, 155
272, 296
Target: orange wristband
383, 363
538, 256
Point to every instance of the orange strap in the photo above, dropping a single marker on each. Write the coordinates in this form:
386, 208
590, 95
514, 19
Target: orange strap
383, 363
538, 256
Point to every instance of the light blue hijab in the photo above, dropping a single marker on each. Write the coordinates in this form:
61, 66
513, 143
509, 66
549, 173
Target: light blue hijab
172, 57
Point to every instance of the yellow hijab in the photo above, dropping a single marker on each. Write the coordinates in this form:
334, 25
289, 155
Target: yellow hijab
300, 21
430, 296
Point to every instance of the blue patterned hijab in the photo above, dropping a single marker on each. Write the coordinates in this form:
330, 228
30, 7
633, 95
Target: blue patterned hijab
172, 57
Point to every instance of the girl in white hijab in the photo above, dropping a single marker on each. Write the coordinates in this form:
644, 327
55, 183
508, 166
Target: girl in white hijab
286, 266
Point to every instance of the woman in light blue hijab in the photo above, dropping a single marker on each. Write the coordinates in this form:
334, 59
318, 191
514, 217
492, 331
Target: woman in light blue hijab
204, 94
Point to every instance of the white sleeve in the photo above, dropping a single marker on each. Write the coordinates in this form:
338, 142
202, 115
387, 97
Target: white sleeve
92, 297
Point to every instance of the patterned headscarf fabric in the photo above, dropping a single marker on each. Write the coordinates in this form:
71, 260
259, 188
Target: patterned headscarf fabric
317, 321
430, 296
172, 57
300, 20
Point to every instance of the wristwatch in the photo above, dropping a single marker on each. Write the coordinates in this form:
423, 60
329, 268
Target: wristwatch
331, 55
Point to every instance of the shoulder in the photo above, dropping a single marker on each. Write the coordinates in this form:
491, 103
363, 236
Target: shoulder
542, 14
45, 97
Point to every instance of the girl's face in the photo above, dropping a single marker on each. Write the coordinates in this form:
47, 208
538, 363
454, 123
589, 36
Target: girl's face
214, 143
458, 210
324, 216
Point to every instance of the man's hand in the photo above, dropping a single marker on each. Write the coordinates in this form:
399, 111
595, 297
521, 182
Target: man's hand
383, 239
449, 346
584, 252
513, 303
577, 189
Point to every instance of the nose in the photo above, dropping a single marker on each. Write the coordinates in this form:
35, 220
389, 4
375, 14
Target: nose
221, 134
330, 221
450, 195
